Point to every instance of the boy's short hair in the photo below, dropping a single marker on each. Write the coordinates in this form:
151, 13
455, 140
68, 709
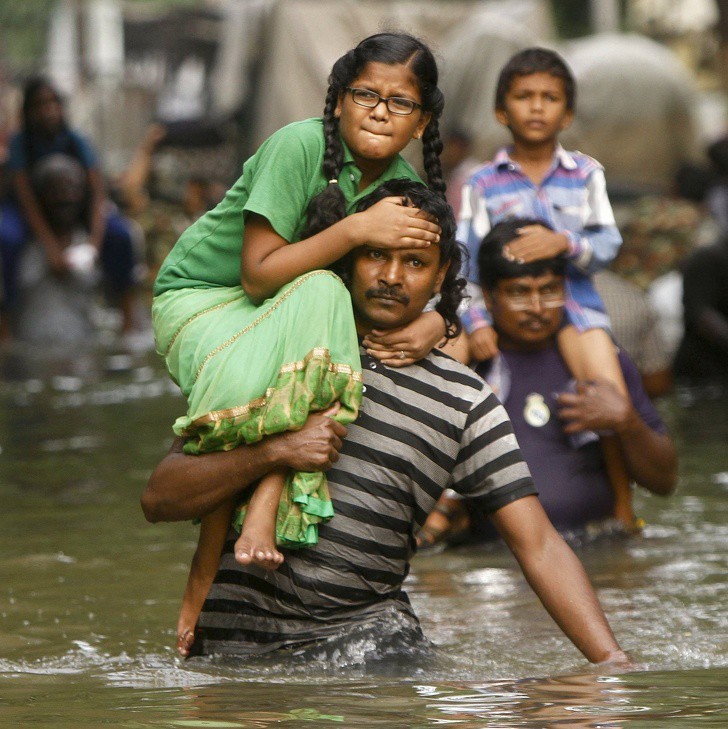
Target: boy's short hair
494, 266
535, 60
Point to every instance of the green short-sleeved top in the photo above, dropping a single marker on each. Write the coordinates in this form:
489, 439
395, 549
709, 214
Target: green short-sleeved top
278, 182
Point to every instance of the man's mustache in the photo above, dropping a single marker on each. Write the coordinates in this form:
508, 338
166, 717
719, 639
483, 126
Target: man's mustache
388, 292
543, 321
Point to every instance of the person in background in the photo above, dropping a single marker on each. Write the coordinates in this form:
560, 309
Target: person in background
535, 177
53, 310
636, 329
547, 408
702, 356
44, 132
162, 221
458, 164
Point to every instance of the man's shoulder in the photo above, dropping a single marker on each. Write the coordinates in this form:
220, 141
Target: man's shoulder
443, 370
617, 290
582, 164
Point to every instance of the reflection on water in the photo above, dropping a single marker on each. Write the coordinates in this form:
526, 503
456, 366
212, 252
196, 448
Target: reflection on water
89, 592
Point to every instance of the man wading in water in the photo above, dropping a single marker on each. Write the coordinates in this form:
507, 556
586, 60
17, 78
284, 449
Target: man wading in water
421, 428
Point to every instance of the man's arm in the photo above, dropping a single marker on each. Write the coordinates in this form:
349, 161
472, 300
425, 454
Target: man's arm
187, 487
650, 456
558, 578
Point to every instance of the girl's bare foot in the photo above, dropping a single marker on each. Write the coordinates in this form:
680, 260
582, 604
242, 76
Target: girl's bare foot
186, 627
254, 547
185, 639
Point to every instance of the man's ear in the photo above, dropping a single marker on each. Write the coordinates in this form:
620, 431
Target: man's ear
440, 278
488, 298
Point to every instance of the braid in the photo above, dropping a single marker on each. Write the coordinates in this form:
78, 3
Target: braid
431, 149
329, 206
334, 151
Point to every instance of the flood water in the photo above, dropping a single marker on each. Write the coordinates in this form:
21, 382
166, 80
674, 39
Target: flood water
89, 591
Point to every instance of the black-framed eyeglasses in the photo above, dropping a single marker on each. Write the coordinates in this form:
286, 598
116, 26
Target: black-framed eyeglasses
395, 104
522, 300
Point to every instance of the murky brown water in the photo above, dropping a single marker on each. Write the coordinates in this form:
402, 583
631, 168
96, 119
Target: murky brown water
89, 592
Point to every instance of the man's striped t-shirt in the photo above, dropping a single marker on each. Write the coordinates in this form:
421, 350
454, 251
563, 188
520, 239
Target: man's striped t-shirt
421, 429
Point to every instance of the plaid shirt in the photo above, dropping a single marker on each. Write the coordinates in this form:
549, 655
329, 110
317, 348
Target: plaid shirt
572, 198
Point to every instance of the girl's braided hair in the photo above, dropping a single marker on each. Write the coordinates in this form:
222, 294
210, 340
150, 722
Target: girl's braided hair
329, 206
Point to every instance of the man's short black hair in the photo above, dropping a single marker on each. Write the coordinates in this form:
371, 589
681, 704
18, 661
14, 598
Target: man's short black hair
535, 60
494, 266
451, 252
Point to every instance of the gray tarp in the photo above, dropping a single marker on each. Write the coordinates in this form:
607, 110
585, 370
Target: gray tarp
634, 103
301, 39
636, 106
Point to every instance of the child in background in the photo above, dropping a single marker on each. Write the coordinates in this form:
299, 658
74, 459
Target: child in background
254, 333
536, 177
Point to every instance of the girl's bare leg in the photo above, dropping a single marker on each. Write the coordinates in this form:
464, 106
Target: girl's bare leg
257, 541
213, 529
591, 354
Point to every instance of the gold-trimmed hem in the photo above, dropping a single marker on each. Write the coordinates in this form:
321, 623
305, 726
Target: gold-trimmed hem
238, 411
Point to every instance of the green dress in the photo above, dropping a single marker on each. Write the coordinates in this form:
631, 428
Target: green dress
250, 370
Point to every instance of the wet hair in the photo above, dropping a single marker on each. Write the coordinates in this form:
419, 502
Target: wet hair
494, 266
535, 60
329, 206
451, 252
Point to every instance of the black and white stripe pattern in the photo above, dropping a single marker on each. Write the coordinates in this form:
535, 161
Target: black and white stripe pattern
421, 429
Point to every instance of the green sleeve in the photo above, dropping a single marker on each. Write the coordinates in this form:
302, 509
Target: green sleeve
285, 175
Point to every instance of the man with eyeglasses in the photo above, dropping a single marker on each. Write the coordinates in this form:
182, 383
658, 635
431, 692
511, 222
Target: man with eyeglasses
553, 417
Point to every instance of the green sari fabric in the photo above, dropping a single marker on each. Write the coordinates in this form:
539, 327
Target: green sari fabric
249, 371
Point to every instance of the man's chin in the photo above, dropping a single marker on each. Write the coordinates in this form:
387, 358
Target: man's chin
384, 319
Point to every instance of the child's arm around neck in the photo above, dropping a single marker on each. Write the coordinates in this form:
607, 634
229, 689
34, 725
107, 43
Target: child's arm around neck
269, 261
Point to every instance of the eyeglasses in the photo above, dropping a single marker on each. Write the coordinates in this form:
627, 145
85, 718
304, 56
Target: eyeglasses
520, 301
395, 104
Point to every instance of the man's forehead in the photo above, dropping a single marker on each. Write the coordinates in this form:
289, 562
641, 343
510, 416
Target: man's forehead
431, 251
542, 278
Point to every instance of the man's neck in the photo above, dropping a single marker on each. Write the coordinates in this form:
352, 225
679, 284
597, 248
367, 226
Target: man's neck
511, 345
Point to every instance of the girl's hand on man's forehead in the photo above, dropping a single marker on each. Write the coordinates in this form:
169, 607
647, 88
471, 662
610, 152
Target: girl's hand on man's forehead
391, 224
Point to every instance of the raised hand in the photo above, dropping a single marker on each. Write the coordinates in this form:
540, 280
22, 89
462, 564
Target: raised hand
534, 243
391, 223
